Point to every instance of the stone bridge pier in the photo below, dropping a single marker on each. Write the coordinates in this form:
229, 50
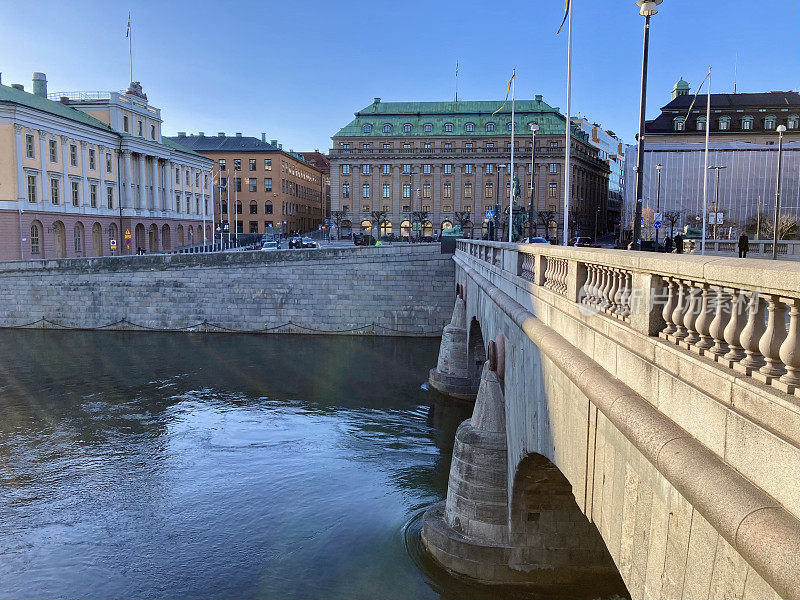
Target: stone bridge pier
636, 416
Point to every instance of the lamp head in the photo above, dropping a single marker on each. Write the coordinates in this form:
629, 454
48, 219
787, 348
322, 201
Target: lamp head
781, 128
648, 8
659, 166
534, 127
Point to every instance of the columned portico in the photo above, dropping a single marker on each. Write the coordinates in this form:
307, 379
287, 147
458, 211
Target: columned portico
156, 185
142, 196
128, 160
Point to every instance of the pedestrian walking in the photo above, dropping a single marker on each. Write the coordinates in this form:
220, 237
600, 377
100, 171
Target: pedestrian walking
744, 245
668, 244
678, 243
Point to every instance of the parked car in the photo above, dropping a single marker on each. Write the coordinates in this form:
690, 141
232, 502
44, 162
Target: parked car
296, 242
270, 246
308, 243
583, 242
535, 240
363, 239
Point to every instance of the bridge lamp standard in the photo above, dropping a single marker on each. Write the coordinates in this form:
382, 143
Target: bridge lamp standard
647, 8
534, 129
716, 198
781, 129
659, 166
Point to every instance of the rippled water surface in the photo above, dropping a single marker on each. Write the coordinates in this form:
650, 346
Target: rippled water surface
150, 465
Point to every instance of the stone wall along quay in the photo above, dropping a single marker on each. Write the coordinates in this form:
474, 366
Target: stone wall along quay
390, 290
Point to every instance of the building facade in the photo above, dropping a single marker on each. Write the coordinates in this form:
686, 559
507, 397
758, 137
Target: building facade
610, 149
743, 139
259, 185
88, 174
442, 164
320, 161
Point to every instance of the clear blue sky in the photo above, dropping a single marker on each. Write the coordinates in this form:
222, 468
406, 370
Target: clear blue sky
299, 70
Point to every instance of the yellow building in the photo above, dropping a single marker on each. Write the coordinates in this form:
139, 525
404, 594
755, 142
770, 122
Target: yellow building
89, 174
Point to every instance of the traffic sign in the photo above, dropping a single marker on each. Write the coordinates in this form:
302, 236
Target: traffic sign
658, 217
490, 214
657, 224
127, 234
113, 244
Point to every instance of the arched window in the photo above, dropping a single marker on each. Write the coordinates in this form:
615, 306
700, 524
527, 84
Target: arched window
180, 235
769, 123
490, 127
679, 123
367, 128
446, 225
36, 236
448, 127
405, 228
238, 207
427, 229
387, 128
79, 239
428, 127
366, 225
253, 207
166, 243
724, 123
191, 234
407, 128
469, 127
386, 228
510, 126
747, 123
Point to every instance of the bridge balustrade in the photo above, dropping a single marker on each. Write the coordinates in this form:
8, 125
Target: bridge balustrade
743, 315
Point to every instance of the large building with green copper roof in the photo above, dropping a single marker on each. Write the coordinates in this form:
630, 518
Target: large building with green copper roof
399, 167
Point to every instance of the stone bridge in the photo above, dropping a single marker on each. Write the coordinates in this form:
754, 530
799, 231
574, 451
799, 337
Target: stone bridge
638, 414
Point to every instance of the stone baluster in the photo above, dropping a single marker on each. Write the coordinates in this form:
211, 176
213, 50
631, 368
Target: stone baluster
564, 269
751, 335
678, 314
770, 343
588, 290
600, 302
613, 290
692, 312
619, 292
717, 327
669, 307
548, 273
734, 328
704, 319
626, 295
790, 349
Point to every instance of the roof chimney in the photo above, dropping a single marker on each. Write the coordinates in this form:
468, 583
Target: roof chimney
377, 100
274, 143
538, 97
40, 85
1, 79
201, 134
263, 137
181, 134
238, 134
220, 134
18, 86
64, 100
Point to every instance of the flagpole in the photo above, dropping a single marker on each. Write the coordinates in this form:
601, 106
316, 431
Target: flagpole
456, 82
705, 170
130, 46
568, 145
511, 170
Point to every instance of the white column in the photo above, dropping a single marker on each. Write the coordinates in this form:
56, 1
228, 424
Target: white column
193, 176
169, 204
156, 184
66, 192
84, 173
45, 188
20, 171
102, 201
183, 185
142, 183
129, 202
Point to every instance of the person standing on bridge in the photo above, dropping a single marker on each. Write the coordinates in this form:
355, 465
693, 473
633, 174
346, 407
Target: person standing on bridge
744, 245
678, 243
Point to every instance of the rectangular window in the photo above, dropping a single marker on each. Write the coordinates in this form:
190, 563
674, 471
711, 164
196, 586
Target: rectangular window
467, 208
489, 190
426, 190
254, 225
406, 208
29, 147
554, 167
747, 124
447, 208
448, 190
468, 146
345, 169
35, 248
365, 169
252, 184
406, 190
723, 124
152, 132
73, 155
468, 190
365, 190
268, 184
268, 164
552, 191
426, 169
554, 144
54, 196
345, 190
223, 182
53, 151
238, 207
92, 165
387, 190
448, 169
489, 146
365, 208
237, 184
125, 125
139, 129
387, 146
93, 195
448, 146
76, 193
237, 164
468, 169
489, 169
387, 169
108, 162
109, 197
407, 169
426, 207
252, 164
31, 188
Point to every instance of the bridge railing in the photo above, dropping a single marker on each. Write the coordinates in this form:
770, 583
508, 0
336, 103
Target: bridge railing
742, 314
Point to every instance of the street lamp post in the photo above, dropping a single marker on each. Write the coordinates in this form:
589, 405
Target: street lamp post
534, 129
497, 202
781, 129
658, 195
647, 8
716, 198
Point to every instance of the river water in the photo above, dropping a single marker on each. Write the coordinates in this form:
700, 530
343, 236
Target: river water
161, 465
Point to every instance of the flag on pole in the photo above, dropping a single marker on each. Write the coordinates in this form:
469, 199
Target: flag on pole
700, 87
508, 91
128, 30
566, 13
456, 69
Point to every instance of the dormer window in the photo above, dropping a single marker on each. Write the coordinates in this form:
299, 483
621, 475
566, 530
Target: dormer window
701, 124
367, 128
470, 127
792, 122
747, 123
407, 128
490, 127
769, 123
387, 128
679, 123
724, 123
510, 126
428, 127
448, 127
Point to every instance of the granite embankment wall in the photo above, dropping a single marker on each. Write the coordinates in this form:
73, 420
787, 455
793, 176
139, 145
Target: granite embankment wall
391, 290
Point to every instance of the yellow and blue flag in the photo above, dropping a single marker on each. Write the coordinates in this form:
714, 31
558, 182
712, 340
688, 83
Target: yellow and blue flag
508, 91
128, 30
566, 14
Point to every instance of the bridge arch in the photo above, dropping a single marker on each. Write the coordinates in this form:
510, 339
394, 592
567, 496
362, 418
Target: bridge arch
476, 351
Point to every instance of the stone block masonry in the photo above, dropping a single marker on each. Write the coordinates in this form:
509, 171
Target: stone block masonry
391, 290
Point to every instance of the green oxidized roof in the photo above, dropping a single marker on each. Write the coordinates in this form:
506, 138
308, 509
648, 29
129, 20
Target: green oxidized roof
10, 94
681, 85
437, 114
